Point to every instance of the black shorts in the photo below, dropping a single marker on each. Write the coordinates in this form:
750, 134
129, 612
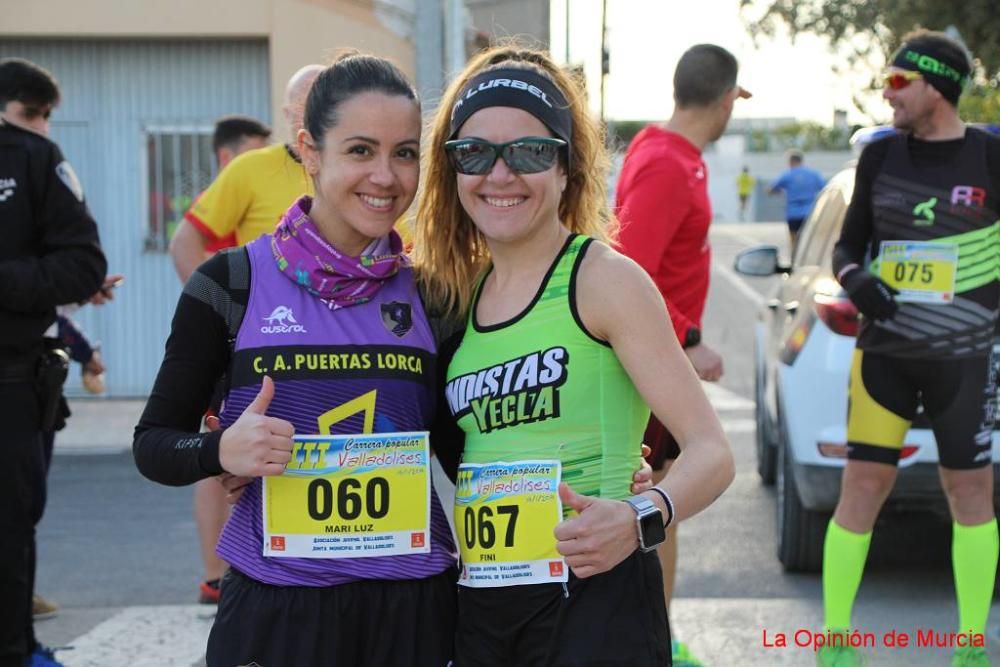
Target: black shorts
795, 224
615, 619
663, 446
959, 399
392, 623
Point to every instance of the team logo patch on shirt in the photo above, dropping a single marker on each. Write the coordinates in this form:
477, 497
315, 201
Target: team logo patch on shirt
923, 213
968, 195
66, 174
281, 320
7, 187
397, 318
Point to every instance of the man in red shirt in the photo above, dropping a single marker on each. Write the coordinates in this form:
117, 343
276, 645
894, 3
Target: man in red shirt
663, 205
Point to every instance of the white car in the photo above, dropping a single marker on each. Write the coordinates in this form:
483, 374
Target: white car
803, 342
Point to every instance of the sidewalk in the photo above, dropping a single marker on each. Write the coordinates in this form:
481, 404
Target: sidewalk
99, 426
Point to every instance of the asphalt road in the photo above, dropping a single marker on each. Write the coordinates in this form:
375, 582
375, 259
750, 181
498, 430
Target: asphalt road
119, 553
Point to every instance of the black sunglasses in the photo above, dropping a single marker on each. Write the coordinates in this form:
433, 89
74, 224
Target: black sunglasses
527, 155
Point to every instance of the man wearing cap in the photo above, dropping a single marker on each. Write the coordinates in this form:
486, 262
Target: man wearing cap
663, 205
918, 257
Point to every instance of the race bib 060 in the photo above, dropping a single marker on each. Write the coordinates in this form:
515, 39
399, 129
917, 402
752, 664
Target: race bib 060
350, 496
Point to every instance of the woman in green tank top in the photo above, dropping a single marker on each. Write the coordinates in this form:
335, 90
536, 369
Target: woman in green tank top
567, 347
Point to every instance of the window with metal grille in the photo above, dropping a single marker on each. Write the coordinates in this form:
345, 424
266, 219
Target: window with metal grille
180, 165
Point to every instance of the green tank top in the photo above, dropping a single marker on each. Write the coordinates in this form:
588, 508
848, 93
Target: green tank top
539, 386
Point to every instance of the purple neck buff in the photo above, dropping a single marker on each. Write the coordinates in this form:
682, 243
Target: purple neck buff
338, 279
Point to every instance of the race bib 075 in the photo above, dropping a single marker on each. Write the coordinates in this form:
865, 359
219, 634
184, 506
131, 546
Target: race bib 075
922, 272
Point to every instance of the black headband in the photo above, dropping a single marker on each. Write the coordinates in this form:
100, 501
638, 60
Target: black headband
518, 88
938, 68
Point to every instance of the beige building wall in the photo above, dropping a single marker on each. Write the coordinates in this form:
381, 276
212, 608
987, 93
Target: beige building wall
526, 19
299, 32
306, 32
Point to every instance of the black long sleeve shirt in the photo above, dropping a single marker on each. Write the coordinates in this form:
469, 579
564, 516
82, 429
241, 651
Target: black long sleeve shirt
856, 234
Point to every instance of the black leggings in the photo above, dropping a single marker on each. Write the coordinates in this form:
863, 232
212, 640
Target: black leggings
614, 619
390, 623
22, 495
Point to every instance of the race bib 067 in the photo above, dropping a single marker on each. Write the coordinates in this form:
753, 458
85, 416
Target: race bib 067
504, 516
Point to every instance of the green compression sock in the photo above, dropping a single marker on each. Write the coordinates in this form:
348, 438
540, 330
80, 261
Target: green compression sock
844, 555
974, 561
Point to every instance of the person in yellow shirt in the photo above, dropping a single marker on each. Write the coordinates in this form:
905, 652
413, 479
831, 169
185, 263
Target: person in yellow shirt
247, 199
744, 186
233, 136
249, 196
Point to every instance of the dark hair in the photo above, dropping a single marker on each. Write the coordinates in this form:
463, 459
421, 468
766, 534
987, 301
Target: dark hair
350, 75
230, 131
704, 74
25, 82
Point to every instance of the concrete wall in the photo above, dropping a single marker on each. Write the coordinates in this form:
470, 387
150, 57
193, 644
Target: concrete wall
507, 18
304, 31
726, 158
138, 18
298, 31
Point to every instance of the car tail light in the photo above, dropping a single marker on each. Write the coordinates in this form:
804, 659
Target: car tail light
838, 313
832, 450
838, 450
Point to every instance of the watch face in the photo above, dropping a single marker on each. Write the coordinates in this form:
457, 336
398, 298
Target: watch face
652, 531
692, 337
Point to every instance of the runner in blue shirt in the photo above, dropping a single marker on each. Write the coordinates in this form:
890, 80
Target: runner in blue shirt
800, 184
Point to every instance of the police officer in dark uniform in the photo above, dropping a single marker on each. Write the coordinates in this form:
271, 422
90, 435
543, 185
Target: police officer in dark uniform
50, 255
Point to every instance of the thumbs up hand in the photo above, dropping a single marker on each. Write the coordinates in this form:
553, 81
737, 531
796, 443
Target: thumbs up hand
257, 445
602, 534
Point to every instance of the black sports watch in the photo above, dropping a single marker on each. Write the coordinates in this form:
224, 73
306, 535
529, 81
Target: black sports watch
649, 523
692, 337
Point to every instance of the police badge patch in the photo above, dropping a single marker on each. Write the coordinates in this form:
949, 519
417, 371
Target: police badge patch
66, 174
397, 318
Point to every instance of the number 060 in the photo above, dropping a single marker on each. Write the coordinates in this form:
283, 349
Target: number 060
349, 502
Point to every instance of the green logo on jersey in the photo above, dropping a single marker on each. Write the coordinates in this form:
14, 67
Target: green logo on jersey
925, 210
519, 391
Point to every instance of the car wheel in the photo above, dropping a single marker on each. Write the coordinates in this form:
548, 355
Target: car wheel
767, 452
800, 531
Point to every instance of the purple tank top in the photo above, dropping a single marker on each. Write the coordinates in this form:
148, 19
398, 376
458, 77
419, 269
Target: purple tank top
317, 359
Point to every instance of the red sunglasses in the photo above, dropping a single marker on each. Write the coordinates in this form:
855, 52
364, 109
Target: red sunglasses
900, 80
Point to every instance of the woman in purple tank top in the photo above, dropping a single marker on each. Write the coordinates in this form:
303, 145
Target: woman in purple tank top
340, 552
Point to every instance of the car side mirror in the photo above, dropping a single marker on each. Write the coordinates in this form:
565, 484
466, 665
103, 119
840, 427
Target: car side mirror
760, 261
